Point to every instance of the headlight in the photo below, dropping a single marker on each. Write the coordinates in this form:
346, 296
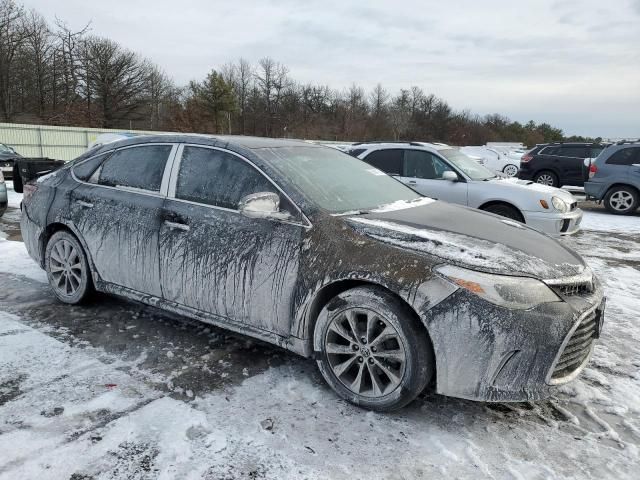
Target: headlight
559, 204
518, 293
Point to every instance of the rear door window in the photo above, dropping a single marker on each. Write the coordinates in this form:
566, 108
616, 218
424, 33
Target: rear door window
135, 167
218, 178
549, 151
625, 156
389, 161
572, 151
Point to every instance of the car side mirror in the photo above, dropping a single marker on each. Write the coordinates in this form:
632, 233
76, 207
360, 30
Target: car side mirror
450, 176
262, 205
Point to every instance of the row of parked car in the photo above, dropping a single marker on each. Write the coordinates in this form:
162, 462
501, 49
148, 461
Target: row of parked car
610, 173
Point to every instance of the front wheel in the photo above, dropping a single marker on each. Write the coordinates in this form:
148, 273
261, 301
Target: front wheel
505, 210
621, 200
67, 268
371, 350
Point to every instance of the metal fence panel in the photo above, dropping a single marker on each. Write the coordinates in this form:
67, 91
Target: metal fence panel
60, 143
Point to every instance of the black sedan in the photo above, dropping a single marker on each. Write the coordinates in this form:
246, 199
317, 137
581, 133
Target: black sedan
318, 252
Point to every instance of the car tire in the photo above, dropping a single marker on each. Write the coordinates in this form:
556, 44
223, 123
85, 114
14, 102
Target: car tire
510, 170
621, 200
67, 268
372, 350
546, 177
504, 210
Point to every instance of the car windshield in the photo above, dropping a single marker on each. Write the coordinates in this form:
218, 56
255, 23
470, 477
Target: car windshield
468, 166
338, 182
5, 149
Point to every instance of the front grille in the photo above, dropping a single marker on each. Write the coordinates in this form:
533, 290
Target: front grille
573, 288
578, 347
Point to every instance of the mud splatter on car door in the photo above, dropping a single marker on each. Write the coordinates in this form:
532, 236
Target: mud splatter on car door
224, 263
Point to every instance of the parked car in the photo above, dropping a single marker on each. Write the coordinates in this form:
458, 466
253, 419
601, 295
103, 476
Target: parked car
507, 162
26, 169
7, 158
442, 172
311, 249
614, 178
557, 164
3, 195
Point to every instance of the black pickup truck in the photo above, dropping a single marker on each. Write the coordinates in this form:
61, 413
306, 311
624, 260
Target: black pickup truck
26, 169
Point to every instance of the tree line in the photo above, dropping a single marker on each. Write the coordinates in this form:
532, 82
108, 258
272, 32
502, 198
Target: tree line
54, 74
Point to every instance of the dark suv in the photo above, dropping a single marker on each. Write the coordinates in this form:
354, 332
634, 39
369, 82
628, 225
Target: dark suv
557, 164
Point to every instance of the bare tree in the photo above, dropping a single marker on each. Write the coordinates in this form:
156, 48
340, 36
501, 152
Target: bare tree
13, 34
117, 77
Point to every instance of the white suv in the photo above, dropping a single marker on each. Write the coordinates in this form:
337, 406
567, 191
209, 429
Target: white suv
443, 172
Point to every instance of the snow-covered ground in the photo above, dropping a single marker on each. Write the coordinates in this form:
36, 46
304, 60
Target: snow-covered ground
117, 390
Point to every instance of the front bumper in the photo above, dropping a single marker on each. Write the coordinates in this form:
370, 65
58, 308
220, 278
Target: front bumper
7, 171
489, 353
555, 223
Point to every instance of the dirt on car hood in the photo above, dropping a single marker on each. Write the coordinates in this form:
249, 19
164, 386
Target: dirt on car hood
472, 239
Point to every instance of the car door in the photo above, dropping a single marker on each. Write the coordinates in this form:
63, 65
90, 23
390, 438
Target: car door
572, 160
117, 209
216, 260
621, 166
423, 172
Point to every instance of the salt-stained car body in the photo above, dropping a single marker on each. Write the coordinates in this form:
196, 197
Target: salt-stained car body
443, 172
313, 250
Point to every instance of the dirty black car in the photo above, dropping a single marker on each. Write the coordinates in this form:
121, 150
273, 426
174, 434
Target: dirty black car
311, 249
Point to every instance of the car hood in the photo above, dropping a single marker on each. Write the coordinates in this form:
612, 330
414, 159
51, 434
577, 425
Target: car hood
8, 156
516, 185
472, 239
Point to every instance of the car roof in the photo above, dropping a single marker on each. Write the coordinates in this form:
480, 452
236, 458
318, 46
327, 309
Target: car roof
232, 142
388, 145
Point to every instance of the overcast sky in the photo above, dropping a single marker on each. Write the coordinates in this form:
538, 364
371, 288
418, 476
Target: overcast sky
572, 63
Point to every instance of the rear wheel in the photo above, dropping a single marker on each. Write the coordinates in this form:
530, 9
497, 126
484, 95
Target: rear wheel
510, 170
621, 200
504, 210
547, 178
67, 268
371, 350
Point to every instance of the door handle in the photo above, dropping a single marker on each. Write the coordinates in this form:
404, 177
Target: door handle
84, 204
178, 226
412, 182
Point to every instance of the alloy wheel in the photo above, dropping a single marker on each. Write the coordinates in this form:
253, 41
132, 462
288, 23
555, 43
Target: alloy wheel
66, 268
510, 170
545, 179
365, 352
621, 200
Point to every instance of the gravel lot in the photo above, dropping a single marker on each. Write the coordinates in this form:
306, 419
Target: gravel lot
119, 390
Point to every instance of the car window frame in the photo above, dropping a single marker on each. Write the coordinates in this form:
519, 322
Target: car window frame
433, 154
164, 184
372, 151
635, 158
174, 170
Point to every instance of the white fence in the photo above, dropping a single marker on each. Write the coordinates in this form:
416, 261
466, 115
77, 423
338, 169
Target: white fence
60, 143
